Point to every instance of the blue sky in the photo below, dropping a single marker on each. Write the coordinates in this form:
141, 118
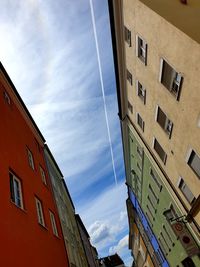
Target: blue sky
48, 50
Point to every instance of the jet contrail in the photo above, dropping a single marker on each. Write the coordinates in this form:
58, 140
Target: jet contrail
102, 88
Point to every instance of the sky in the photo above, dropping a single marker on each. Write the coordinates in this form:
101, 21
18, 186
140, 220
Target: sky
48, 49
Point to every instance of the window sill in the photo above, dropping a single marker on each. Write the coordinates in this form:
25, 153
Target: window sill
43, 226
20, 208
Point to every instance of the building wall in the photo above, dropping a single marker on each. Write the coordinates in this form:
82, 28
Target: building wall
86, 243
156, 200
66, 212
24, 242
183, 113
164, 41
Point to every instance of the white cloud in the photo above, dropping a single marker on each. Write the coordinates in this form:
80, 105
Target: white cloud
122, 244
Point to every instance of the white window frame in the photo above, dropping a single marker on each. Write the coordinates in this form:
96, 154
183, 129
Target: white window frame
14, 197
143, 90
185, 190
7, 98
143, 55
177, 82
43, 176
40, 213
53, 223
30, 159
168, 123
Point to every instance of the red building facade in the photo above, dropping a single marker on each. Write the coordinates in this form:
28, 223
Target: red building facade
30, 231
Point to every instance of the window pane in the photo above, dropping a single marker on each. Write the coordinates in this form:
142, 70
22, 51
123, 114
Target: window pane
168, 75
194, 162
161, 153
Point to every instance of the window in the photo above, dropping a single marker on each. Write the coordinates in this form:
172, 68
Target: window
43, 176
171, 79
140, 151
127, 36
16, 190
140, 121
39, 212
186, 191
155, 178
159, 150
37, 145
141, 49
30, 159
139, 167
129, 76
130, 107
152, 194
188, 262
53, 223
194, 163
7, 97
163, 121
141, 92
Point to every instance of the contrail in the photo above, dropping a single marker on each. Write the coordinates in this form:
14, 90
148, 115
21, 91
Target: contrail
102, 88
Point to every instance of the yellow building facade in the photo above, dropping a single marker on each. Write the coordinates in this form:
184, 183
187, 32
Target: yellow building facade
157, 62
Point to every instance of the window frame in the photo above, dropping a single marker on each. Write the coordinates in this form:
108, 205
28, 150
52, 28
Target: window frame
174, 81
127, 36
7, 97
155, 178
40, 212
30, 159
139, 118
129, 77
53, 223
168, 127
13, 190
165, 154
43, 175
184, 188
141, 91
141, 49
130, 107
190, 158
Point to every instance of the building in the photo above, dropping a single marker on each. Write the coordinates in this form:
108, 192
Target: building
66, 210
30, 232
111, 261
156, 47
90, 251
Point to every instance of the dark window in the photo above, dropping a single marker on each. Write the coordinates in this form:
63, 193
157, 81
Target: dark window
127, 36
186, 191
130, 107
188, 262
16, 190
171, 79
159, 150
140, 121
194, 163
129, 76
164, 122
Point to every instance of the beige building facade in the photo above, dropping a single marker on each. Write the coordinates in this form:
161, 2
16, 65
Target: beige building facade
157, 61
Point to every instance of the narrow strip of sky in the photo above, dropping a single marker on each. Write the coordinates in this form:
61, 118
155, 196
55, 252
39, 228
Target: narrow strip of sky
102, 88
